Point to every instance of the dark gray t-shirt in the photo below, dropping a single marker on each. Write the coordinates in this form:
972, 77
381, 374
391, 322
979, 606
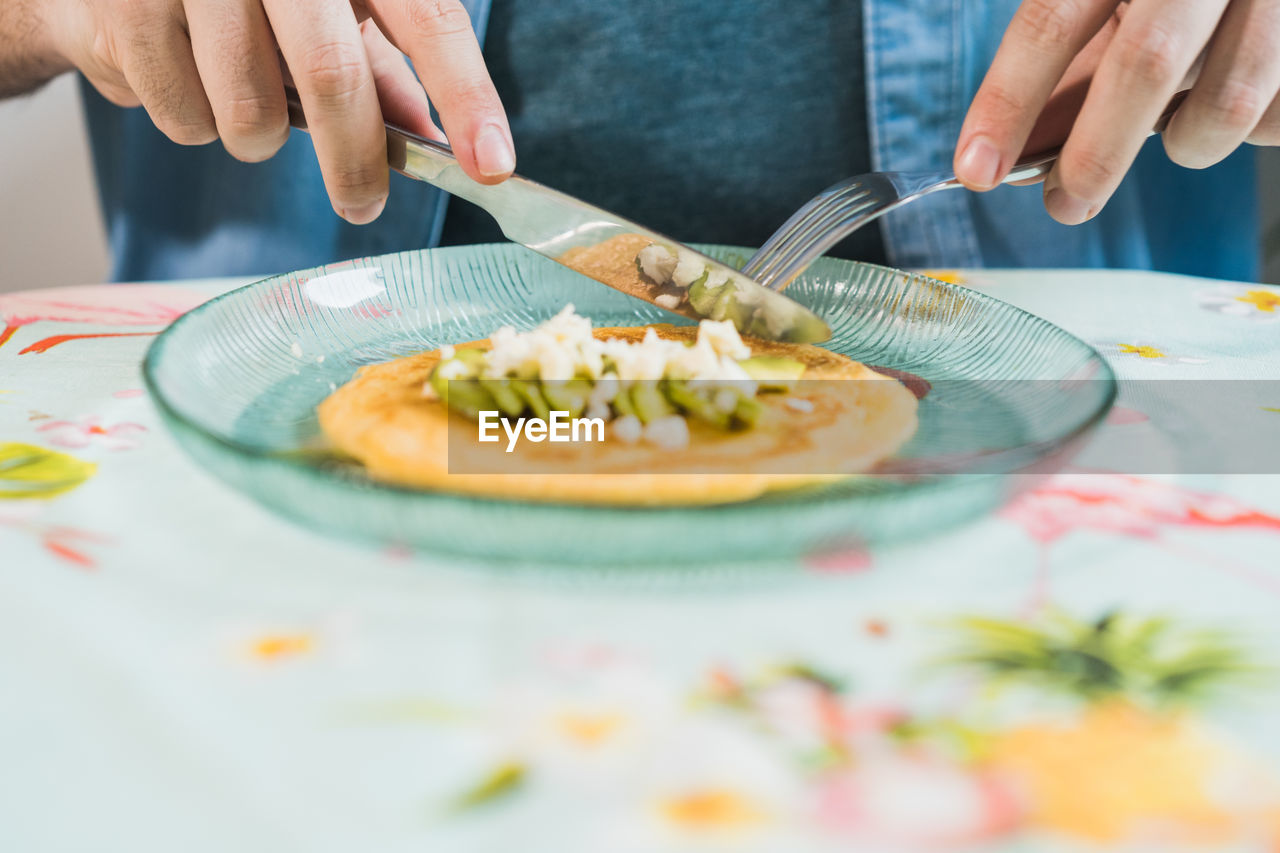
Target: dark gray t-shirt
700, 123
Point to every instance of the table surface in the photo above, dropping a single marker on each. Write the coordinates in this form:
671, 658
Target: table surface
1098, 663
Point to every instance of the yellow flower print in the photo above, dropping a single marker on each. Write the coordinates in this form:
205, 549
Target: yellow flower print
589, 729
949, 276
1149, 353
1258, 304
1263, 300
1141, 350
711, 809
274, 646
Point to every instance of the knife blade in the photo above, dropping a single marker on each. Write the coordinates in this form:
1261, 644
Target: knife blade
599, 244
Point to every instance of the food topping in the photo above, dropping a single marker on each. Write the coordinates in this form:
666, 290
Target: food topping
647, 388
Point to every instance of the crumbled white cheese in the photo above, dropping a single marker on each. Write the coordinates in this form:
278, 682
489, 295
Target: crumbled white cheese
668, 300
447, 352
689, 268
656, 262
628, 429
669, 433
722, 336
564, 347
795, 404
453, 370
725, 400
560, 348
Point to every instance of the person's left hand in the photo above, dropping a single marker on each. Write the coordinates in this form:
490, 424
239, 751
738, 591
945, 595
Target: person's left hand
1145, 51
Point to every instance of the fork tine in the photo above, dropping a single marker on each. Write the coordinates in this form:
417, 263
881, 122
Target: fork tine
798, 242
800, 260
816, 206
813, 215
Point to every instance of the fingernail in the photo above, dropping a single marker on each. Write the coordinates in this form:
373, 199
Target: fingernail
1066, 208
979, 163
364, 215
494, 155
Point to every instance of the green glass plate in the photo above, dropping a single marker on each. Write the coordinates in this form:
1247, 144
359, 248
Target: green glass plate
238, 380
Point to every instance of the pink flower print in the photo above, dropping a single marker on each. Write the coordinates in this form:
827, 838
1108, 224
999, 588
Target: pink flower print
119, 305
1137, 507
1126, 505
916, 800
82, 433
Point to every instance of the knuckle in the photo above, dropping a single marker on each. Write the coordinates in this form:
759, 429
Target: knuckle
336, 70
253, 127
1149, 56
471, 97
187, 131
437, 17
1048, 23
359, 184
1087, 172
254, 114
102, 51
1002, 102
1236, 104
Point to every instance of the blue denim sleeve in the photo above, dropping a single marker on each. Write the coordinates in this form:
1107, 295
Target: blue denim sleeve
925, 62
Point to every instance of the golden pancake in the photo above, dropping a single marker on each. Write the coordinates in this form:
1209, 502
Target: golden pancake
818, 431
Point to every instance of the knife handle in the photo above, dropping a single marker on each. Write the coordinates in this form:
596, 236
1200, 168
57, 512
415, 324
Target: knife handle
412, 155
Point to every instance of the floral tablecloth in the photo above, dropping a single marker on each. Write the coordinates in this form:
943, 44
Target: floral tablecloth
1095, 667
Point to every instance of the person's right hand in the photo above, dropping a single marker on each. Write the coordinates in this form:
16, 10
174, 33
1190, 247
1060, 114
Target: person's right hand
209, 69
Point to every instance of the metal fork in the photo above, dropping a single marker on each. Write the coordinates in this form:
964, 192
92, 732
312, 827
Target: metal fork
841, 209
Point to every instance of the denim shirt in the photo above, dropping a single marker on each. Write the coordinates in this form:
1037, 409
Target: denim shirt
176, 212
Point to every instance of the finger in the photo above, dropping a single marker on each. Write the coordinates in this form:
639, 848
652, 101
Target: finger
88, 43
1038, 46
236, 57
1240, 79
1267, 131
437, 35
1153, 49
404, 102
156, 61
321, 44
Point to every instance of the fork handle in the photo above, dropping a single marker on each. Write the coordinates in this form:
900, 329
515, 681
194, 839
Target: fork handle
1038, 165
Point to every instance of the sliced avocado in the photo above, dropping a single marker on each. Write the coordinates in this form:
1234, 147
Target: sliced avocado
648, 401
509, 402
758, 325
729, 307
567, 395
696, 404
771, 372
531, 392
469, 397
623, 405
471, 357
703, 298
747, 413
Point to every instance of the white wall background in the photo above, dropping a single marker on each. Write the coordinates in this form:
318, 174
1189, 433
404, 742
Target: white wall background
50, 226
51, 230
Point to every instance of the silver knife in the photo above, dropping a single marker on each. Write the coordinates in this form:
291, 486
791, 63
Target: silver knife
602, 246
